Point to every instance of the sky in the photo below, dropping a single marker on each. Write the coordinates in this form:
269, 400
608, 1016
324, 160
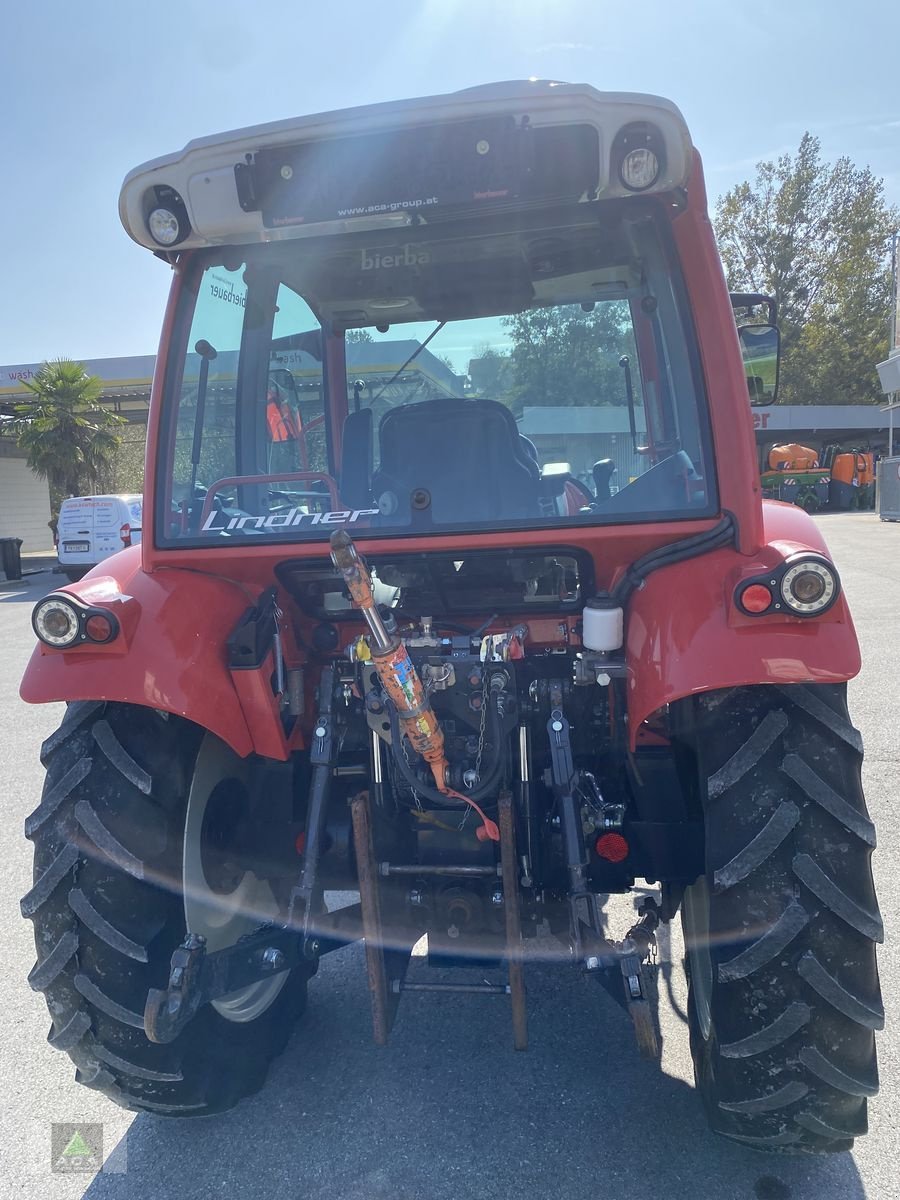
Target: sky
91, 90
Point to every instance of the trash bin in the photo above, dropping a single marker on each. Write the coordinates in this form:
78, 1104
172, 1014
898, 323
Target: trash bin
10, 557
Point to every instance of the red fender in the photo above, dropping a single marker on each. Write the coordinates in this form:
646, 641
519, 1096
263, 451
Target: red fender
170, 655
685, 634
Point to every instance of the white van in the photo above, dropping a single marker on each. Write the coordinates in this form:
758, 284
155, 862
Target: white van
91, 528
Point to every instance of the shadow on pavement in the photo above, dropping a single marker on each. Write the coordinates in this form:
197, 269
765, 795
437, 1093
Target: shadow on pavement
30, 587
450, 1110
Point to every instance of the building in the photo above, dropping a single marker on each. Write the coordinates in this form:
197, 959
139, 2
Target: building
581, 436
24, 501
853, 426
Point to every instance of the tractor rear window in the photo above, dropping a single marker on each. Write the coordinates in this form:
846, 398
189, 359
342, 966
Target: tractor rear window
543, 378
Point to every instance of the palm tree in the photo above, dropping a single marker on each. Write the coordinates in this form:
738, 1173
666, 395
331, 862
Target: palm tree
68, 438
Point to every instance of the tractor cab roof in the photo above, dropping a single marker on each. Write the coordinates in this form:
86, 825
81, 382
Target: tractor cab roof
501, 147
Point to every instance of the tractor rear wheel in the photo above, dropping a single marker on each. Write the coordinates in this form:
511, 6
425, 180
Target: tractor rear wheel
781, 930
131, 851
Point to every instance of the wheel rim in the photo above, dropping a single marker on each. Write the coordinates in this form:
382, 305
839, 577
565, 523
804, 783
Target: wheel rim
223, 901
695, 907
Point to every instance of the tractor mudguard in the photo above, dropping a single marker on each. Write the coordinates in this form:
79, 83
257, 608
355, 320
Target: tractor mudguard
169, 655
685, 633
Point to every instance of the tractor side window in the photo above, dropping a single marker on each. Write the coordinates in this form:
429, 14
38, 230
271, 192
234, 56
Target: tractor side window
250, 450
204, 449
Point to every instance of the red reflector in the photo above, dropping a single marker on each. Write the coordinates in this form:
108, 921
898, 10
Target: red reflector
756, 598
99, 628
300, 843
612, 847
125, 534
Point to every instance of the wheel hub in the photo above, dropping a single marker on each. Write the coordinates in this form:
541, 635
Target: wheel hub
224, 900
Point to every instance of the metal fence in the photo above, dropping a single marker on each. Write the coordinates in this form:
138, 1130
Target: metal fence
888, 489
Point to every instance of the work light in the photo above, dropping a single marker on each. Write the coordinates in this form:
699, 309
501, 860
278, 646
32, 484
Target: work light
167, 219
639, 169
164, 227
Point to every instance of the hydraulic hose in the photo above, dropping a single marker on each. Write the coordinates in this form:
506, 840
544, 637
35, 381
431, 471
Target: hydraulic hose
488, 828
488, 781
689, 547
400, 680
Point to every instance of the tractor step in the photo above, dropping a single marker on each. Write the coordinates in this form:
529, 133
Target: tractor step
469, 989
387, 962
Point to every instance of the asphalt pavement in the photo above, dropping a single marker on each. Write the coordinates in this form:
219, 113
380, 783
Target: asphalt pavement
449, 1111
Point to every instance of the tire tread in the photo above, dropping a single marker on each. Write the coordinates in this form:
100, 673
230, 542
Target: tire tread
793, 922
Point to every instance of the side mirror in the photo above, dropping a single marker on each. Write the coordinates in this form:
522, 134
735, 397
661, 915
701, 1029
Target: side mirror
761, 349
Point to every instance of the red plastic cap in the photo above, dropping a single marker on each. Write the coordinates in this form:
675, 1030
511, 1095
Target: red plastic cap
756, 598
612, 847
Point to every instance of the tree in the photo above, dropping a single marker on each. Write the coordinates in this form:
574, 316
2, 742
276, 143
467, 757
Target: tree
358, 335
68, 438
817, 237
490, 372
569, 354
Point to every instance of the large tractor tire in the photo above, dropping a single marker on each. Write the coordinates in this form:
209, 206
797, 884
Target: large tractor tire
781, 931
128, 854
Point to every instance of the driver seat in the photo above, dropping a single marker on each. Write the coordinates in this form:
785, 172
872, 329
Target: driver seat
451, 461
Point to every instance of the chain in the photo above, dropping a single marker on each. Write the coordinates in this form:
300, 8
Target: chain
403, 750
480, 752
484, 704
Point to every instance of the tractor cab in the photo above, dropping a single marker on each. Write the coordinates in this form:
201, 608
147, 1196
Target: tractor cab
470, 320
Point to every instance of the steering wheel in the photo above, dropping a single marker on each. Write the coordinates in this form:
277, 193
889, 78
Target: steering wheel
233, 481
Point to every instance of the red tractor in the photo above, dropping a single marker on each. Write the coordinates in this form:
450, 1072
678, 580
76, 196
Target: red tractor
414, 618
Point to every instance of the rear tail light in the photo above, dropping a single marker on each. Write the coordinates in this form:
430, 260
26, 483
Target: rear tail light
125, 534
100, 627
756, 598
804, 586
60, 622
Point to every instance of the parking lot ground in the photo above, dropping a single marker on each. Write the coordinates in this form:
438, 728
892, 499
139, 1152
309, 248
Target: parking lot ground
449, 1111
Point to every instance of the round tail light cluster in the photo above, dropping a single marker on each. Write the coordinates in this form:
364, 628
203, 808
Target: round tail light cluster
59, 621
804, 586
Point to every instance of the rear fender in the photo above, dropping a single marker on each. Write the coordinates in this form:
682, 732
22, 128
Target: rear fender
171, 652
685, 634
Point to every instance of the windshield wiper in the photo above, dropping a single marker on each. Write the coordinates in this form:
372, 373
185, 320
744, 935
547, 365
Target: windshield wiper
415, 354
